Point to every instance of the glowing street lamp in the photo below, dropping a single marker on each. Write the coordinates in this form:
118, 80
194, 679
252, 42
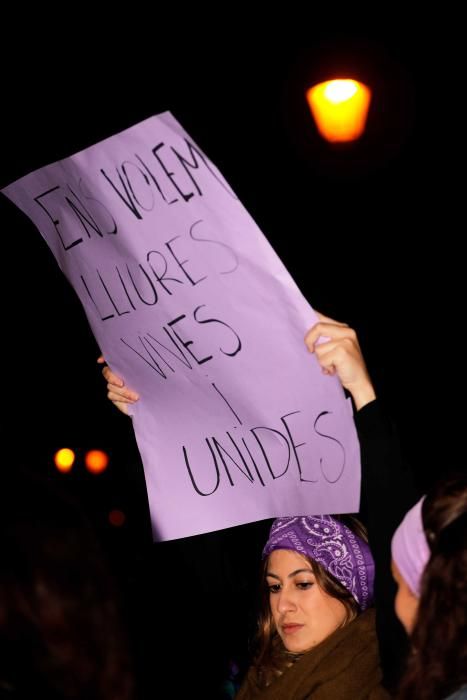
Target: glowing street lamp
339, 108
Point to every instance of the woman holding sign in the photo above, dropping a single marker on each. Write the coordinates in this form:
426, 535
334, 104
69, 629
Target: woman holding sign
316, 633
317, 630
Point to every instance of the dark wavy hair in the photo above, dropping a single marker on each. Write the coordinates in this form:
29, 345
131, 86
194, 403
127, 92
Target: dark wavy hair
61, 634
271, 658
437, 665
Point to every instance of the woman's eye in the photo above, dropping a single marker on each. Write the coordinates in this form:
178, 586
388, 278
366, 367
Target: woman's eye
274, 588
304, 585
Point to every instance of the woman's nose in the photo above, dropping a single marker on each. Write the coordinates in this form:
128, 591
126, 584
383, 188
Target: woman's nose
286, 602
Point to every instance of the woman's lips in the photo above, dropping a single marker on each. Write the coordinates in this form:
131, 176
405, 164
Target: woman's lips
291, 628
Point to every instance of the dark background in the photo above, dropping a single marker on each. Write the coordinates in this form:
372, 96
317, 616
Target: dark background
372, 233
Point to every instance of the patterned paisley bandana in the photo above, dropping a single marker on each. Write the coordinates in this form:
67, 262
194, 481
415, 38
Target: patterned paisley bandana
333, 545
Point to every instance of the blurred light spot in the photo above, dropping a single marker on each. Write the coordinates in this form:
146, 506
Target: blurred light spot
96, 461
340, 90
117, 518
339, 108
64, 459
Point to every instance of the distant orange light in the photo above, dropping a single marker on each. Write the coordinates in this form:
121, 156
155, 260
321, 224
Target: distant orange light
64, 460
339, 108
117, 518
96, 461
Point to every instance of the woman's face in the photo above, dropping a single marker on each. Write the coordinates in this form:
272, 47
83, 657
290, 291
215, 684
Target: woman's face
303, 613
406, 602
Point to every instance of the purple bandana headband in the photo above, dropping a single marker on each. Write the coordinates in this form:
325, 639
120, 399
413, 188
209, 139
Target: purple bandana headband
333, 545
410, 550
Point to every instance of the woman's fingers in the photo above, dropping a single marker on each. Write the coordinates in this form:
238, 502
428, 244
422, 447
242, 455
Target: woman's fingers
117, 391
332, 331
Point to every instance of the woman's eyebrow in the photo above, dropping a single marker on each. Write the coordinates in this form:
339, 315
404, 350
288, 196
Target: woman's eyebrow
300, 571
293, 573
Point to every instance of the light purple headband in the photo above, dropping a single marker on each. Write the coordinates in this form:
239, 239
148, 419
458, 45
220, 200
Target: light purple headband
410, 549
333, 545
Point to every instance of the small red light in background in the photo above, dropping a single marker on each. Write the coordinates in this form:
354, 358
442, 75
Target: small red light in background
96, 461
117, 518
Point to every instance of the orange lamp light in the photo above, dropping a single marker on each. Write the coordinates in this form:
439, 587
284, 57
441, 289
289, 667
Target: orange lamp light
96, 461
339, 108
64, 459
